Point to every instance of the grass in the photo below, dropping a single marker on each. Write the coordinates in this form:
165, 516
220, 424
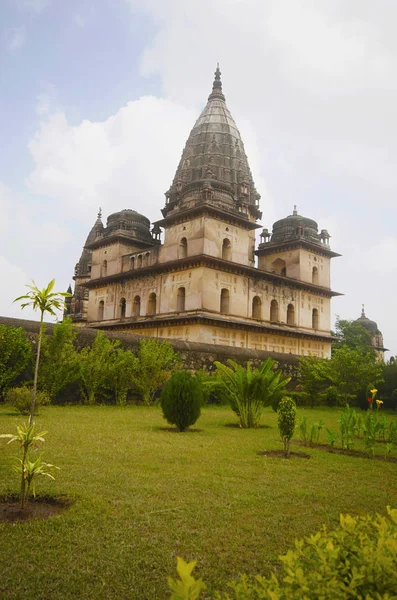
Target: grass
143, 495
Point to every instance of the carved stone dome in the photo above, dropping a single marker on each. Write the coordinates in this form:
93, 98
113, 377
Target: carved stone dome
369, 325
129, 221
295, 227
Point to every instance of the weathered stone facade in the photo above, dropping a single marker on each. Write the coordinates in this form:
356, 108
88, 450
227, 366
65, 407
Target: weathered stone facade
201, 284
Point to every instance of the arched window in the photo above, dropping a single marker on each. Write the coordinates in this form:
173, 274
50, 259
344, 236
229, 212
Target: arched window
123, 306
146, 259
290, 314
104, 269
183, 248
315, 318
180, 300
132, 263
139, 261
225, 301
315, 275
279, 266
226, 249
256, 308
101, 308
274, 311
136, 307
151, 305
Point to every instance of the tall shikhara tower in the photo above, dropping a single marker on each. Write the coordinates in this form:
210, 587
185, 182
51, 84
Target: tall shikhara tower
201, 283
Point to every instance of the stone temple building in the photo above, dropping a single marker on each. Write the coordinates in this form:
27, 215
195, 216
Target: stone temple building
376, 335
207, 281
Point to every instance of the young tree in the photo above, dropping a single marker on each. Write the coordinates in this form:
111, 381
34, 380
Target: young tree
95, 367
181, 400
123, 365
59, 359
46, 301
286, 422
353, 371
155, 364
15, 356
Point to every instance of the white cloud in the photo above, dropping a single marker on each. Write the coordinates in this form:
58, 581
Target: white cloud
16, 39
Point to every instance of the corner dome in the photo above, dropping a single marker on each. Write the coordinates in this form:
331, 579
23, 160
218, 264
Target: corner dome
131, 222
293, 227
369, 325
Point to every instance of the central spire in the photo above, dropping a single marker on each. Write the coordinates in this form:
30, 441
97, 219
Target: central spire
216, 93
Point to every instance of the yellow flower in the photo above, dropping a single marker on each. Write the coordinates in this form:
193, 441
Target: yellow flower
379, 402
373, 391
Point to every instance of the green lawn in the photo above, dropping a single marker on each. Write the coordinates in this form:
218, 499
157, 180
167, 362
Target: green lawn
143, 495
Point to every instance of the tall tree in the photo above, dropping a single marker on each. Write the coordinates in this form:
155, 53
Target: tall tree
46, 302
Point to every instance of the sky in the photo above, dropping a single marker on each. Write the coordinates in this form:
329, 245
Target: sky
98, 98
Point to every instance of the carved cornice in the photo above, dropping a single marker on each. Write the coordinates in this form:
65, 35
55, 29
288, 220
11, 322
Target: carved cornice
186, 214
219, 264
269, 248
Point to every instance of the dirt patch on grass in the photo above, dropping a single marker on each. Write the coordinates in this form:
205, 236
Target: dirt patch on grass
238, 426
40, 508
355, 453
281, 454
176, 430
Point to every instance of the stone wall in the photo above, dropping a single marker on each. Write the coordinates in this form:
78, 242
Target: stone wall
194, 355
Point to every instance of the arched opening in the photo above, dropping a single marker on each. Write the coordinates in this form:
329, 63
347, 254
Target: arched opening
180, 299
139, 261
279, 266
146, 259
315, 318
226, 249
104, 269
123, 306
225, 301
183, 248
256, 308
290, 314
132, 263
151, 305
101, 308
315, 275
136, 306
274, 311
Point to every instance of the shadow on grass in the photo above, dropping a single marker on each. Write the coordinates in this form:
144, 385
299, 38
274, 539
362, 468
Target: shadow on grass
354, 453
41, 507
176, 430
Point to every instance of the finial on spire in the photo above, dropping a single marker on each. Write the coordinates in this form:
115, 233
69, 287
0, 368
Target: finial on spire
295, 212
362, 311
100, 213
217, 86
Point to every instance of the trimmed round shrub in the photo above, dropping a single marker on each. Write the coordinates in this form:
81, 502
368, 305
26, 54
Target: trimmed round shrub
21, 399
286, 421
181, 400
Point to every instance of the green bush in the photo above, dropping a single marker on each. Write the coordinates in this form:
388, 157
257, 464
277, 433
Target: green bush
286, 421
16, 356
356, 561
21, 399
181, 400
332, 397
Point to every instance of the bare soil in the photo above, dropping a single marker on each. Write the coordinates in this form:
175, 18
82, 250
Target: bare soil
39, 508
281, 454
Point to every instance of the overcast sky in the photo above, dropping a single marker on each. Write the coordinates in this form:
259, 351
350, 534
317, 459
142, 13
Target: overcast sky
98, 97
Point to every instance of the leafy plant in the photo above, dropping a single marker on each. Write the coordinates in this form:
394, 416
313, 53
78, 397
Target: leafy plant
371, 429
388, 450
181, 400
95, 364
21, 399
319, 428
59, 363
155, 365
303, 430
46, 301
249, 390
331, 437
122, 366
26, 438
286, 421
356, 560
392, 433
186, 587
347, 426
15, 356
312, 435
